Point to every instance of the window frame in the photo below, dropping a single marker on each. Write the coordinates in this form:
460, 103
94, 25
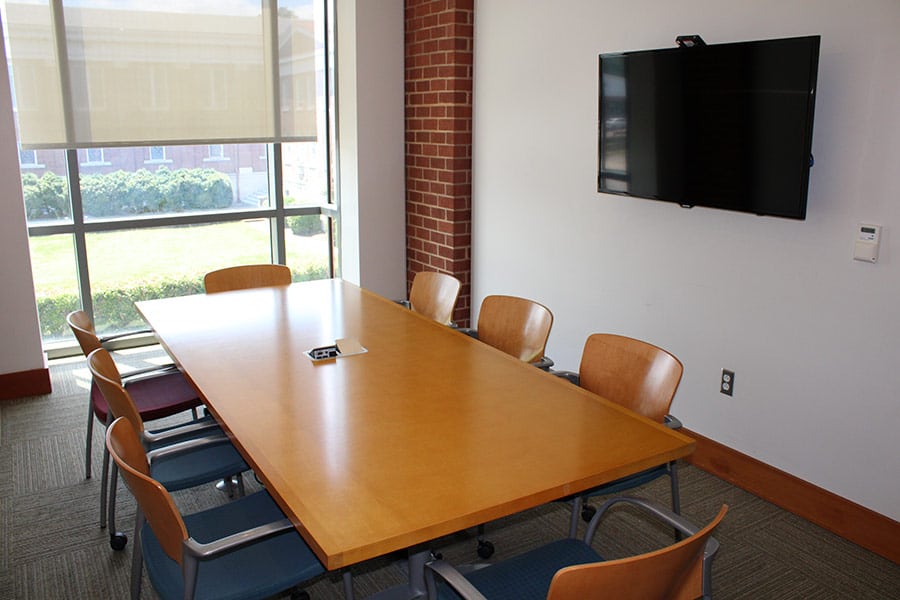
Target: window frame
276, 213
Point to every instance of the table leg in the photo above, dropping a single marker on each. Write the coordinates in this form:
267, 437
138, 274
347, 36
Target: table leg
414, 589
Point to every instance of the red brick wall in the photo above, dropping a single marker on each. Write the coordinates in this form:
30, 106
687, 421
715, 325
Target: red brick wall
439, 39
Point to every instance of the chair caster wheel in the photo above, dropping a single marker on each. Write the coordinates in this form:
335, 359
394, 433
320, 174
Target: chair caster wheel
587, 513
485, 549
118, 541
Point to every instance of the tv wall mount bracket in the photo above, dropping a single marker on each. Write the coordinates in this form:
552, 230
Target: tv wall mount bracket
689, 41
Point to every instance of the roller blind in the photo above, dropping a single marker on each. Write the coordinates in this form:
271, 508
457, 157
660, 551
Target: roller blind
127, 73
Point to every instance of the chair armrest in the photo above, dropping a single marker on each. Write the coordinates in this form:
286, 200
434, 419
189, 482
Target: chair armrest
173, 434
672, 422
236, 540
652, 508
186, 446
452, 577
147, 373
116, 336
571, 376
543, 363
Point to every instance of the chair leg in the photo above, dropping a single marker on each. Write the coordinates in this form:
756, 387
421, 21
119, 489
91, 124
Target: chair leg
117, 539
104, 485
105, 482
485, 548
111, 503
676, 498
137, 556
189, 567
89, 439
573, 519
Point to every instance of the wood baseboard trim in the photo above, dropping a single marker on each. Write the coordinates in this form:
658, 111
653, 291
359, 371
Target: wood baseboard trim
858, 524
35, 382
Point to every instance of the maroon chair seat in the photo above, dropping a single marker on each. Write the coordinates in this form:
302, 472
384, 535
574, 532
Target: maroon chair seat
156, 397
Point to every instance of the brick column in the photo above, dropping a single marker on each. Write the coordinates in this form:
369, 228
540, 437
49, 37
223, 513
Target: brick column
439, 39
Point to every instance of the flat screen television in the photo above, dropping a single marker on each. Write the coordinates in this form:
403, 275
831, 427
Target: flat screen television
724, 125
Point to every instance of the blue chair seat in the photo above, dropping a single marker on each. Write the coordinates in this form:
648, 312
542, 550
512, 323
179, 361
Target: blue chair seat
214, 461
208, 463
255, 571
526, 576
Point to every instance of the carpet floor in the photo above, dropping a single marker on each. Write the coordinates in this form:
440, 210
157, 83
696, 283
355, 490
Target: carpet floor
51, 545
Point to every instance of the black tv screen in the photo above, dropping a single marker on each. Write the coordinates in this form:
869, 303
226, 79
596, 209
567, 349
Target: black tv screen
725, 126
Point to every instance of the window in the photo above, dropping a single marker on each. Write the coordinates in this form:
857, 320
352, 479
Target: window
157, 154
217, 152
157, 216
28, 158
94, 157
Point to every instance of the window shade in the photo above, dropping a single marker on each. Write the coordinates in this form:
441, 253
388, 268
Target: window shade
96, 73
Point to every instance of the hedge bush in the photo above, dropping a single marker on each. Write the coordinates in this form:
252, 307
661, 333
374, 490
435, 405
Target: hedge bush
305, 224
142, 192
114, 308
122, 193
45, 198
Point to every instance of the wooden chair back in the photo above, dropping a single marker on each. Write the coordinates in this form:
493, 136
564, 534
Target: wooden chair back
106, 376
155, 502
81, 325
639, 376
674, 572
434, 295
517, 326
246, 276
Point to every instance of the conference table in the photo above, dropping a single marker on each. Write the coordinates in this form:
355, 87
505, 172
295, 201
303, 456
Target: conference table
420, 432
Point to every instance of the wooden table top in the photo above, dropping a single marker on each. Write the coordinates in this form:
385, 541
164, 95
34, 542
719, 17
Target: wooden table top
427, 433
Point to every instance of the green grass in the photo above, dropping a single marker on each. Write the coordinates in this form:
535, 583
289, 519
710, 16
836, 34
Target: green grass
119, 258
126, 266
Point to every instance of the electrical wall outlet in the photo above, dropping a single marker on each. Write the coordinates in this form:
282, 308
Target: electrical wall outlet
726, 383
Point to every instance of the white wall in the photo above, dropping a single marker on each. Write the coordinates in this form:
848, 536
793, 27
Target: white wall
813, 336
372, 145
21, 348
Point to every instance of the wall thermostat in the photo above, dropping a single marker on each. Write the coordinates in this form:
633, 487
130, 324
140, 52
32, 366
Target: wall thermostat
868, 238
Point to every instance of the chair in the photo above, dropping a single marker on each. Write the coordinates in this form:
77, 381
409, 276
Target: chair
157, 391
245, 277
571, 569
642, 378
180, 457
434, 295
517, 326
244, 549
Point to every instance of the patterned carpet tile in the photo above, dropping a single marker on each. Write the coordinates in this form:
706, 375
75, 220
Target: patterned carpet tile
52, 546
